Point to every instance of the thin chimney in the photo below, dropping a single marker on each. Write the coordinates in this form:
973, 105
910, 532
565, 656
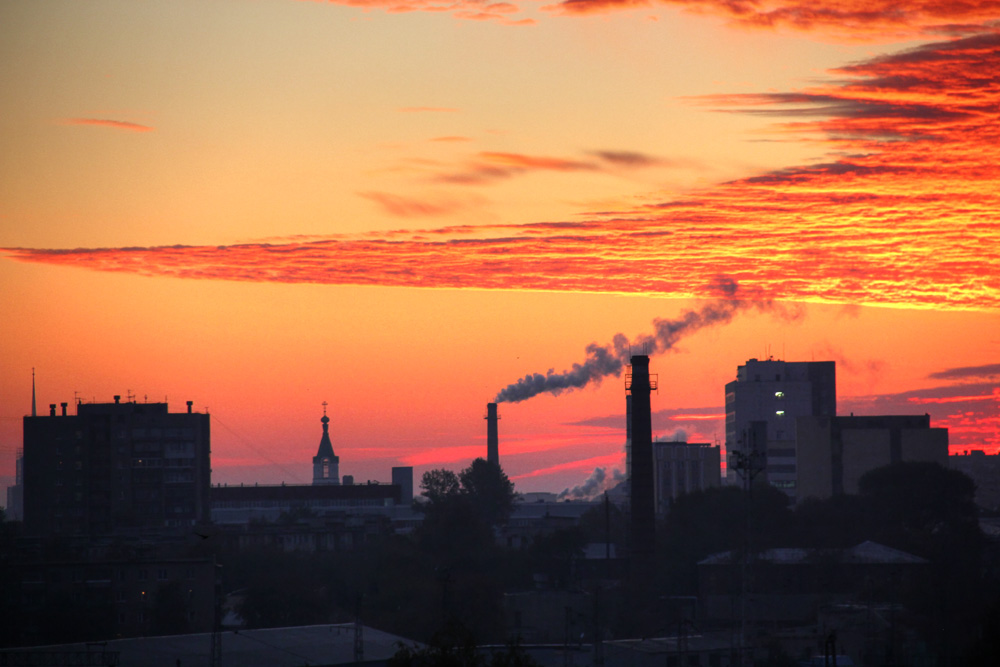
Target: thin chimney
63, 405
643, 523
492, 437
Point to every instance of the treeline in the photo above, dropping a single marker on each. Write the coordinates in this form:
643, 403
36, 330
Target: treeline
452, 572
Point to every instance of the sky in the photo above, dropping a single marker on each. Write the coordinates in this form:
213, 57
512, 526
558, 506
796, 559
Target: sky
408, 209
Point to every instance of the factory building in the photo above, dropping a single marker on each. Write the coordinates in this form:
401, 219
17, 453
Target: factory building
684, 467
834, 452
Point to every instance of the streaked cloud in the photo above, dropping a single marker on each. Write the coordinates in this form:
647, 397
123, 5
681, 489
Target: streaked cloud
409, 207
984, 372
902, 212
970, 411
840, 19
113, 124
851, 19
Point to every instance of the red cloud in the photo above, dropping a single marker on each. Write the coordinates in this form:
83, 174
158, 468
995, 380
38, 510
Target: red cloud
115, 124
903, 213
876, 19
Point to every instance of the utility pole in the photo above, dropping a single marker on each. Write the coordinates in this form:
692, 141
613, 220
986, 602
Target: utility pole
359, 637
215, 659
748, 461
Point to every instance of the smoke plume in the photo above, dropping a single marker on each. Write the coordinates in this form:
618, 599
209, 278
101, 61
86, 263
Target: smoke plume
604, 360
598, 482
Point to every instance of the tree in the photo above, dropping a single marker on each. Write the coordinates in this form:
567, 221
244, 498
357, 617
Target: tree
492, 492
439, 486
929, 511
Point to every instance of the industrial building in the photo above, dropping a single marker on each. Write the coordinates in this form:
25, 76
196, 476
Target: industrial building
775, 393
834, 452
684, 467
115, 467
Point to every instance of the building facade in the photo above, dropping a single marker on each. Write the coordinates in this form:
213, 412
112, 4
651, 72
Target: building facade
684, 467
762, 406
115, 467
835, 452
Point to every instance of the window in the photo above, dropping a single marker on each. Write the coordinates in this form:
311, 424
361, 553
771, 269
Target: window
779, 394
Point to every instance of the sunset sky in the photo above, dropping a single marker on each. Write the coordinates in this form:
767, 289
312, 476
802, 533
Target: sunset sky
403, 207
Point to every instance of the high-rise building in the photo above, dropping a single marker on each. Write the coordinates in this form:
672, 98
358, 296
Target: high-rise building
115, 467
774, 394
326, 464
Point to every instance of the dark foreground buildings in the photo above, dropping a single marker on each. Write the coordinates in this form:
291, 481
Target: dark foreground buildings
115, 468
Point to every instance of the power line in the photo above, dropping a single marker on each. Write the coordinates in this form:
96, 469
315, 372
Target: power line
257, 450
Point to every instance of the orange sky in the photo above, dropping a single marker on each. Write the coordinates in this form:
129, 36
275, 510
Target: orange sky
388, 206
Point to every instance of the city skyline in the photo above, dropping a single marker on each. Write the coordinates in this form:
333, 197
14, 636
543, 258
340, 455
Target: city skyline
404, 208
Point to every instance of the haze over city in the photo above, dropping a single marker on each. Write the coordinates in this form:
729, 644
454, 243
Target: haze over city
406, 209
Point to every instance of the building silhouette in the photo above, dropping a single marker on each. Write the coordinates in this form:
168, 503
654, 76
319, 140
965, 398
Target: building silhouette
326, 464
835, 452
684, 467
762, 405
325, 499
115, 467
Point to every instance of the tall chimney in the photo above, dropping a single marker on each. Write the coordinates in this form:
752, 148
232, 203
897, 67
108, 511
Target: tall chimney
52, 409
643, 523
118, 399
63, 405
492, 437
189, 404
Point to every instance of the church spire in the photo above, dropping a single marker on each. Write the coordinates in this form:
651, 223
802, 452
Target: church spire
326, 464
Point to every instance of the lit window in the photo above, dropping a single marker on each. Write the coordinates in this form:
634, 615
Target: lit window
780, 413
779, 394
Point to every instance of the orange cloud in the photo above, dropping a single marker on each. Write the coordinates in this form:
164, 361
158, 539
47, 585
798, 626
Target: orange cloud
844, 19
902, 213
114, 124
408, 207
876, 19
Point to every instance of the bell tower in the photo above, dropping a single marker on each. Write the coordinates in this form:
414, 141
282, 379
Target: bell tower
326, 464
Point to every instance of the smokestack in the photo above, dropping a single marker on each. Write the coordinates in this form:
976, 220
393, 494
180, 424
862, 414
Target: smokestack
189, 404
492, 434
63, 405
628, 436
643, 523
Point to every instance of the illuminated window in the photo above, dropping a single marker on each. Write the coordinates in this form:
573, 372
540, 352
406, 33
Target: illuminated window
780, 413
779, 394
